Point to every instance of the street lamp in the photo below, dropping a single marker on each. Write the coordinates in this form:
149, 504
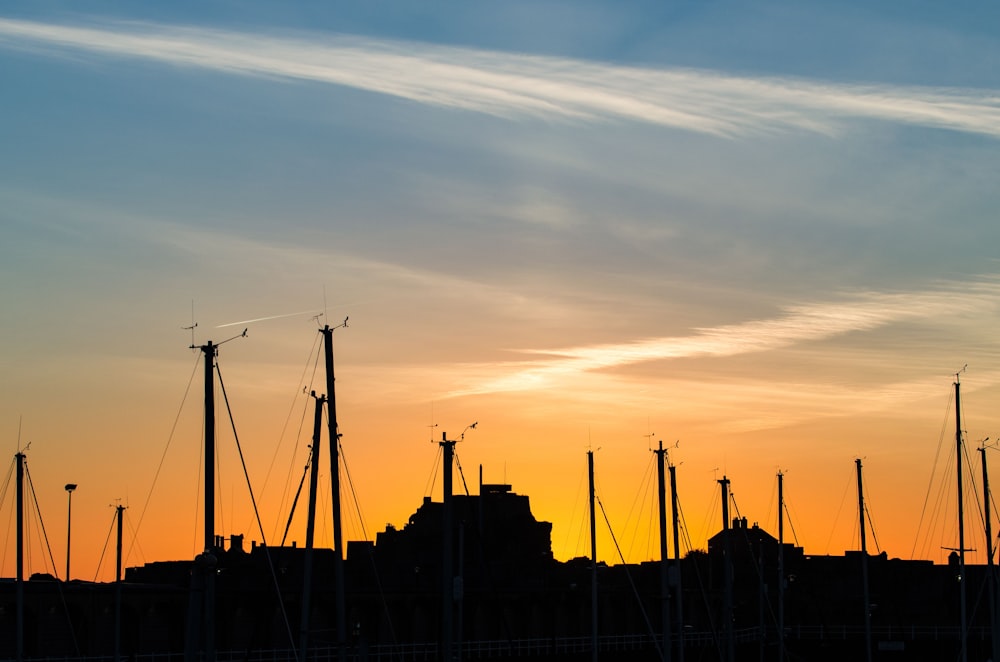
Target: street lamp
69, 521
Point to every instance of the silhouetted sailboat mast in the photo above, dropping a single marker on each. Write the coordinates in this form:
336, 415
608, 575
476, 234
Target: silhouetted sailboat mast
864, 564
664, 570
991, 578
593, 559
338, 544
961, 519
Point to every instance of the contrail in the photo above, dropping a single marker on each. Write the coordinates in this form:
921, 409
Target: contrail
272, 317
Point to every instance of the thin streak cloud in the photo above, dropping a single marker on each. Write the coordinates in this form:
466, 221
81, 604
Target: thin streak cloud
518, 86
804, 323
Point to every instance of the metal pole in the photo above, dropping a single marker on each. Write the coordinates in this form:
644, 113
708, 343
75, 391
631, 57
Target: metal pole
206, 562
678, 589
961, 521
727, 608
864, 566
447, 575
664, 571
118, 586
310, 529
593, 561
781, 568
69, 521
991, 577
211, 351
19, 458
338, 544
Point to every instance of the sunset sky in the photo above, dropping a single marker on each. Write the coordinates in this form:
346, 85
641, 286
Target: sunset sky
764, 233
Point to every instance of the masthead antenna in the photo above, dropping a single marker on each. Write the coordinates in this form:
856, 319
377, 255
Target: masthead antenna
194, 325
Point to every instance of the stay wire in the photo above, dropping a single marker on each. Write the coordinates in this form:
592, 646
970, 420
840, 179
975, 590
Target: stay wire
107, 541
628, 575
371, 549
41, 522
260, 525
314, 357
163, 456
930, 482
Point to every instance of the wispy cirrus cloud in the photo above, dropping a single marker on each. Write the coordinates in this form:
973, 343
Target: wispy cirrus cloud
513, 85
800, 323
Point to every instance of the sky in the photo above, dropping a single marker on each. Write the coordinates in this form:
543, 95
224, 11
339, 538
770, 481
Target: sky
762, 233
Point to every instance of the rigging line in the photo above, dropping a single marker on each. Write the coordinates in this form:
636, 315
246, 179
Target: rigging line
701, 582
220, 511
371, 549
6, 482
354, 493
868, 515
163, 457
941, 521
3, 496
260, 526
930, 482
100, 560
197, 498
732, 500
41, 522
871, 525
790, 525
643, 489
758, 558
572, 518
288, 476
833, 527
284, 429
295, 501
461, 473
142, 554
628, 575
429, 485
8, 538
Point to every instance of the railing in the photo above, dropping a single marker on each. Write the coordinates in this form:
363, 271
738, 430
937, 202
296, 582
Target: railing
487, 649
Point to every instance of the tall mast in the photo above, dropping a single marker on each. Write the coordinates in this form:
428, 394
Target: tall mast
781, 567
338, 555
961, 520
447, 574
310, 528
727, 605
664, 571
678, 594
211, 351
991, 577
593, 561
119, 509
19, 458
864, 565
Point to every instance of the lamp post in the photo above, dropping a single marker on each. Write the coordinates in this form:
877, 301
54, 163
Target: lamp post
69, 521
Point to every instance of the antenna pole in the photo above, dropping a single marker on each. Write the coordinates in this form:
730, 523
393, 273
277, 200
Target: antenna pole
727, 606
593, 561
991, 577
664, 571
961, 518
210, 351
338, 544
679, 596
781, 566
119, 509
19, 458
864, 565
310, 529
447, 579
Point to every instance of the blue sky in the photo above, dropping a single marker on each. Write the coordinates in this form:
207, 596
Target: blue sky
738, 221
